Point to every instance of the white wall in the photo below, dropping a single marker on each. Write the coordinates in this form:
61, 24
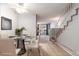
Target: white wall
28, 21
0, 17
70, 37
8, 13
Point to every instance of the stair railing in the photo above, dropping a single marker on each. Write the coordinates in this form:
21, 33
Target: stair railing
68, 7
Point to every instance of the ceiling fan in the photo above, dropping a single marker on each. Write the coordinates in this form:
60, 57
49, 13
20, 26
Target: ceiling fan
21, 7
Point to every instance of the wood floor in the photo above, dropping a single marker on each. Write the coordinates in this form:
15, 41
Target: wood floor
51, 49
46, 49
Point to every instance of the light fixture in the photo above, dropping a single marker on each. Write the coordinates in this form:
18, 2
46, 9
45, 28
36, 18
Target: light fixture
20, 8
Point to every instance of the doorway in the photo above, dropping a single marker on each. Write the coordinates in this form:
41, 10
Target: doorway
43, 32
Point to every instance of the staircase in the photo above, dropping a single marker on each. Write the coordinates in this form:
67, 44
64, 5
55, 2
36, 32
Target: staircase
67, 22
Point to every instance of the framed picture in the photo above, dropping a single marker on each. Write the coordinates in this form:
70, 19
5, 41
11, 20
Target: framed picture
6, 23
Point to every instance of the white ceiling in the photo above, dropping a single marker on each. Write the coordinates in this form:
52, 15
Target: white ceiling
46, 10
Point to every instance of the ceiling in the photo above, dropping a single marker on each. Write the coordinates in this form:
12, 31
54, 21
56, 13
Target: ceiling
46, 10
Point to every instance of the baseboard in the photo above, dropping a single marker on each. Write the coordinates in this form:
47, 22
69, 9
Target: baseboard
68, 50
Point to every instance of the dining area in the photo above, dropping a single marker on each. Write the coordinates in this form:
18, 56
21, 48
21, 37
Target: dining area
17, 47
23, 43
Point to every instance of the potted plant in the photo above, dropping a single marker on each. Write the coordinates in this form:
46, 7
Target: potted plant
19, 31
